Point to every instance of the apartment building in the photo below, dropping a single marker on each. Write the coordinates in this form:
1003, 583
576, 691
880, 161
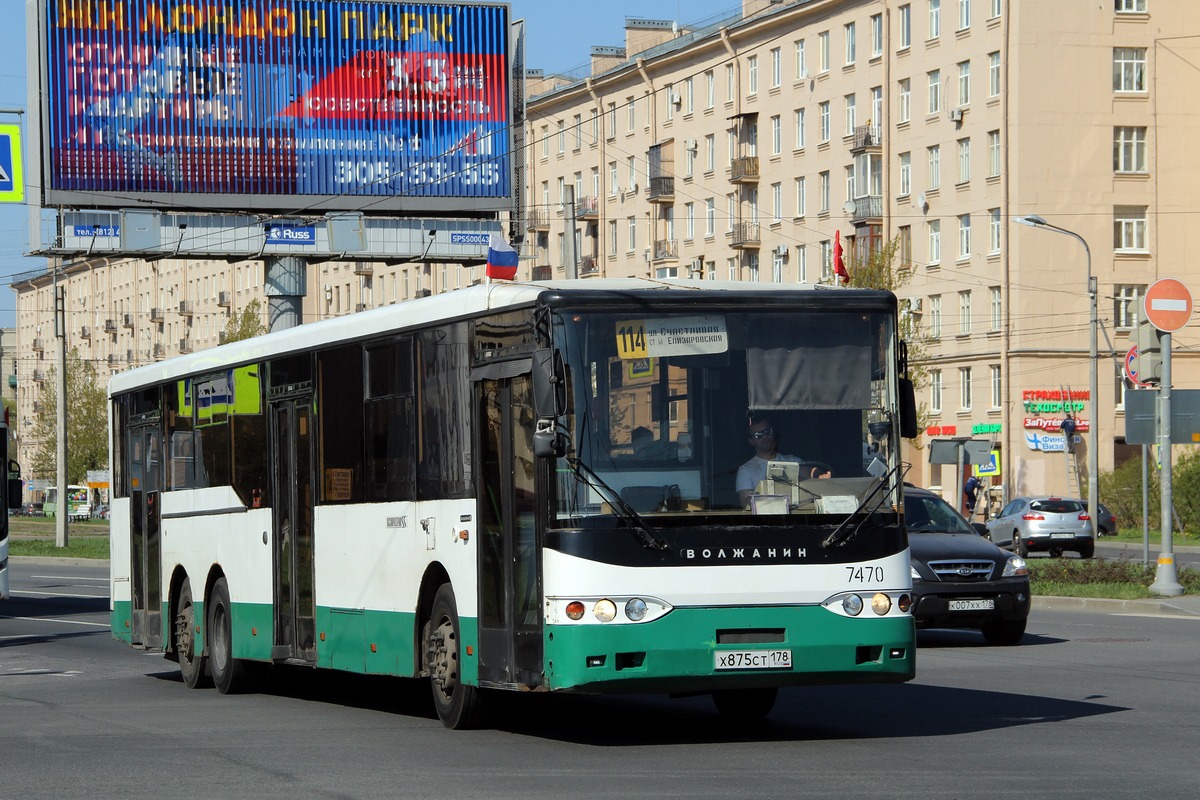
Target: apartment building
740, 149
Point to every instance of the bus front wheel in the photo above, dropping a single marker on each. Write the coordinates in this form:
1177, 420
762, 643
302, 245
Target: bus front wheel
191, 663
228, 673
745, 706
458, 705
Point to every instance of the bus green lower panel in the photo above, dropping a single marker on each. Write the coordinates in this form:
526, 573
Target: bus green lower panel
677, 652
120, 619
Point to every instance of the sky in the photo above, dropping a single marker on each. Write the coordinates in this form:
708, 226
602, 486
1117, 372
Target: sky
553, 42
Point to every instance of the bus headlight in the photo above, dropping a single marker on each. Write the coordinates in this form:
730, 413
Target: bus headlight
635, 609
605, 610
881, 603
852, 604
575, 610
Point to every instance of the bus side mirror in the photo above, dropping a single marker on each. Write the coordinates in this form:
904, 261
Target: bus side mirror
549, 384
14, 493
908, 409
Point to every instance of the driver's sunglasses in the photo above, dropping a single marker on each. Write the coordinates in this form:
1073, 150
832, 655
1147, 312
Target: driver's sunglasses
763, 434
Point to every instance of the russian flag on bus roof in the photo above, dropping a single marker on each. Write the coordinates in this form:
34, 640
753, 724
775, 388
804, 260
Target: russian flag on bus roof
502, 259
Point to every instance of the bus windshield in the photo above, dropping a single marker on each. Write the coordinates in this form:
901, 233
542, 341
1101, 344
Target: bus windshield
755, 411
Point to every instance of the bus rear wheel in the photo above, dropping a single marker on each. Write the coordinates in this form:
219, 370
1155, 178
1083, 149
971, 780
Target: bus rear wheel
458, 705
745, 706
192, 665
229, 674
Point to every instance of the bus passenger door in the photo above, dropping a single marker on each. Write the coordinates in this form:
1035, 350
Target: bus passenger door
292, 498
144, 447
510, 619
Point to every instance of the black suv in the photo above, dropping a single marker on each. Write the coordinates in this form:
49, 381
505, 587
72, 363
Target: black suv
960, 579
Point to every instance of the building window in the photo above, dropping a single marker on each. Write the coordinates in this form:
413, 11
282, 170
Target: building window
826, 260
850, 114
997, 396
776, 135
905, 27
729, 83
905, 100
562, 137
964, 14
613, 186
935, 390
994, 9
752, 75
823, 51
689, 96
689, 221
671, 97
824, 176
994, 229
731, 210
823, 120
595, 126
935, 91
801, 63
964, 160
964, 83
731, 265
905, 174
993, 154
777, 202
995, 317
1129, 229
801, 200
935, 316
964, 313
964, 383
851, 44
776, 67
801, 137
876, 35
1129, 6
964, 236
752, 267
632, 225
905, 249
611, 121
935, 241
802, 263
935, 166
935, 19
850, 193
1128, 303
876, 119
710, 89
577, 132
612, 237
710, 216
994, 74
545, 141
777, 266
710, 152
1129, 149
1129, 69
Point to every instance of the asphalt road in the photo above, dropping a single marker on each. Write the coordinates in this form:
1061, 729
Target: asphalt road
1093, 704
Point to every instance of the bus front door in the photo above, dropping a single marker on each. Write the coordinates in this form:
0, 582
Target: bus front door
292, 497
510, 621
145, 545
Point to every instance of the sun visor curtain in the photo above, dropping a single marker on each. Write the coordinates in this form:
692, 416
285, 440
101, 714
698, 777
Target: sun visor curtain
829, 369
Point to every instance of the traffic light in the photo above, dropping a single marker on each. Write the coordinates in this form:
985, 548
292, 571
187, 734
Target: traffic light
1148, 364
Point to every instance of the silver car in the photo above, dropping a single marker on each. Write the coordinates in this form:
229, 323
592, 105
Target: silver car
1052, 525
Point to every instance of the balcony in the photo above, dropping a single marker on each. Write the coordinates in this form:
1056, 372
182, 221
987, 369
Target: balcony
127, 321
744, 170
542, 273
223, 299
666, 249
746, 236
537, 219
364, 268
158, 315
662, 190
867, 137
588, 265
112, 359
131, 355
587, 207
160, 351
39, 345
360, 307
185, 344
37, 407
39, 375
110, 326
185, 308
85, 332
869, 207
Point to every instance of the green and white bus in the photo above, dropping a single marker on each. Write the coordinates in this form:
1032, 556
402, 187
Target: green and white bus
447, 488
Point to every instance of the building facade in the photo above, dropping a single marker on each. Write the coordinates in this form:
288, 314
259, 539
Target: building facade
746, 148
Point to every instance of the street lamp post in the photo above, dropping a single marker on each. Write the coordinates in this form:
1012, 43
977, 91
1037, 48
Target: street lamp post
1034, 221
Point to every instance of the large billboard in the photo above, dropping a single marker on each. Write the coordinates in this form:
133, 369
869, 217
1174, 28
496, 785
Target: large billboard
275, 105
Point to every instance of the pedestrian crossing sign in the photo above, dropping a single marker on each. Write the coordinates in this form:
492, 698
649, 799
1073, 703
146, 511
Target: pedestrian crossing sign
12, 178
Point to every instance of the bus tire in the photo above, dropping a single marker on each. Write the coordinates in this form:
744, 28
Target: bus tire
744, 706
458, 705
192, 665
230, 674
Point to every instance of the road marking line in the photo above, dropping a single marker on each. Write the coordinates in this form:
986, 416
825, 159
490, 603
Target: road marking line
69, 578
63, 621
1161, 616
27, 593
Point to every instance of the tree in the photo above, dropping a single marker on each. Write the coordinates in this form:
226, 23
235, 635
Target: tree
87, 422
879, 270
246, 324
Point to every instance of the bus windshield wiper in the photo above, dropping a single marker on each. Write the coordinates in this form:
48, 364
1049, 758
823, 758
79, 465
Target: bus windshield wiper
624, 511
843, 533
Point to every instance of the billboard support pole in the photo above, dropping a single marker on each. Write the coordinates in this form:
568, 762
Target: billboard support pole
286, 279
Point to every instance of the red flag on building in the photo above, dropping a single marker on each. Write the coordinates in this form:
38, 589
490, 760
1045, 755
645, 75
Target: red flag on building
839, 266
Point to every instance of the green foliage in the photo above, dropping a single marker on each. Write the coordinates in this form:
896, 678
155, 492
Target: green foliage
1100, 577
87, 422
78, 546
1121, 491
245, 324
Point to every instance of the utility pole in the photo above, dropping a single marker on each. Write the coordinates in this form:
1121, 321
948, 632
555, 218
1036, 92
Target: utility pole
63, 509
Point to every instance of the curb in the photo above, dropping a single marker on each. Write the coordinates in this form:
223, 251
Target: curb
66, 562
1163, 606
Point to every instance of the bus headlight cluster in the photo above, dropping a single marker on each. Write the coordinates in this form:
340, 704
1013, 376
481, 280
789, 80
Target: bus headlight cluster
881, 603
616, 609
